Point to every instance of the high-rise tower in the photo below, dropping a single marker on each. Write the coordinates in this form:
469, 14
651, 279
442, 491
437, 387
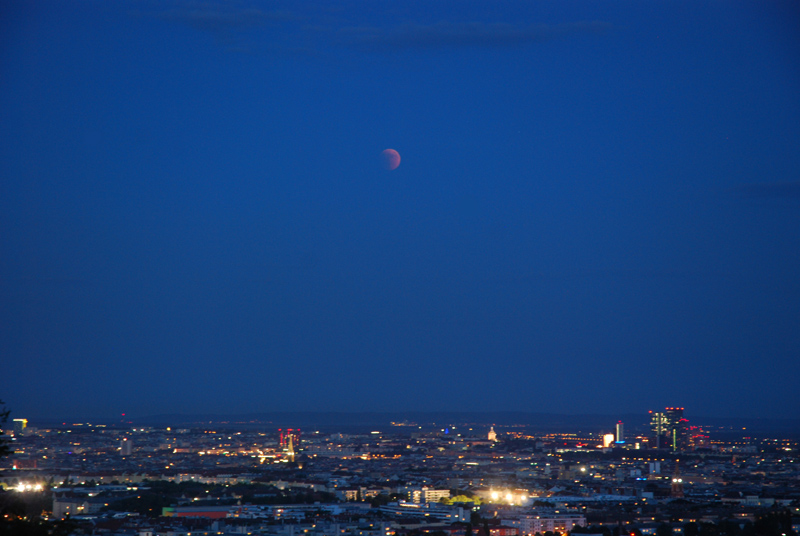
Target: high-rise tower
20, 425
669, 428
658, 424
676, 426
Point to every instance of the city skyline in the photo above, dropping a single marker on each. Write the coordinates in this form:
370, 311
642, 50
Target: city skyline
636, 424
593, 207
403, 480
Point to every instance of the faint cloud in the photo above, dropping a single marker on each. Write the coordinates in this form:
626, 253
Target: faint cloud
311, 28
233, 25
448, 34
770, 190
221, 17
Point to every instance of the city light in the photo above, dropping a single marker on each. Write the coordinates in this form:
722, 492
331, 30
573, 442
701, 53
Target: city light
537, 487
23, 487
509, 497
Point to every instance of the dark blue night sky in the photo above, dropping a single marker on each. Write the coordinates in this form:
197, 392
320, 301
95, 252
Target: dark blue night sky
597, 208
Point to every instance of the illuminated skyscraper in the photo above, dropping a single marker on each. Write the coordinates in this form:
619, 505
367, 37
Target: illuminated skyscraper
669, 428
620, 432
676, 426
658, 424
20, 425
126, 446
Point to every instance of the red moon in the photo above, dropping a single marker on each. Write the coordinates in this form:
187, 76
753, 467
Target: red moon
391, 159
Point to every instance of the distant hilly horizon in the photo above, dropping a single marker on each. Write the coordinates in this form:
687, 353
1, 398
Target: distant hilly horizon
545, 422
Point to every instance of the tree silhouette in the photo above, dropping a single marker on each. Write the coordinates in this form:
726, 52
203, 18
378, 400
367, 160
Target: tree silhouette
691, 529
664, 529
475, 518
4, 449
774, 524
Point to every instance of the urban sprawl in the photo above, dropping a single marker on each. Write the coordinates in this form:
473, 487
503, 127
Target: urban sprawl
662, 477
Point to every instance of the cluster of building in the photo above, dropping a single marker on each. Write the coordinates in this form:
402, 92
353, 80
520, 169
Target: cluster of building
672, 430
403, 480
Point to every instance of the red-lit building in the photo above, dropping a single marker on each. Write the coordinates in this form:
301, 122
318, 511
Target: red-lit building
294, 433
